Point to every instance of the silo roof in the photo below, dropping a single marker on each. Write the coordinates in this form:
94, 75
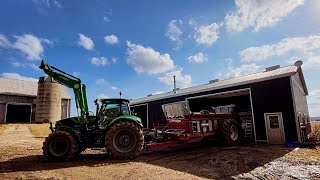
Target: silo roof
25, 88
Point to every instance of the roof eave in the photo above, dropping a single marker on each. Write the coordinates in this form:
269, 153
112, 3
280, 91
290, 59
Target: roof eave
305, 89
215, 88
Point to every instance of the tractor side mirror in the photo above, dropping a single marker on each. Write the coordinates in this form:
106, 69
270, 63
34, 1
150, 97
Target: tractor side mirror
97, 106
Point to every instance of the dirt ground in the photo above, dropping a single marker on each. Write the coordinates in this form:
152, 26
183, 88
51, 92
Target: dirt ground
21, 158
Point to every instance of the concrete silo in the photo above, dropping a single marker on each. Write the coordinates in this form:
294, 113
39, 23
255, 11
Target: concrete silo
48, 106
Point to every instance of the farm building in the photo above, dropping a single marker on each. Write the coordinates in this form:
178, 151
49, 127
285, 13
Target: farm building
271, 104
28, 101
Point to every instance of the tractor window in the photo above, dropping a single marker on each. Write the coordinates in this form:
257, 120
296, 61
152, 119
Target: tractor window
125, 109
113, 109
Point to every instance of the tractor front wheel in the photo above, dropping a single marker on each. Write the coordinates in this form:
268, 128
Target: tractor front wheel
60, 146
124, 140
230, 132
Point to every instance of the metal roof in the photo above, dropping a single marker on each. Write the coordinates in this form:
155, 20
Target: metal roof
25, 88
242, 80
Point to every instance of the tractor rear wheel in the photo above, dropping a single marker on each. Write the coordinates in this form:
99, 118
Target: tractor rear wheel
230, 132
60, 146
124, 140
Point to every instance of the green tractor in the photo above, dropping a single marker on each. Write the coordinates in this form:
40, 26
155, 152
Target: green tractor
113, 127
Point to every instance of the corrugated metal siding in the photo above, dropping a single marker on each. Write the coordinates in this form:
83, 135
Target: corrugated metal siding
2, 112
4, 99
267, 96
271, 97
299, 95
300, 98
251, 78
25, 88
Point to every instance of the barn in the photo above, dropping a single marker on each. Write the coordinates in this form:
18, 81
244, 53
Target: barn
28, 101
271, 104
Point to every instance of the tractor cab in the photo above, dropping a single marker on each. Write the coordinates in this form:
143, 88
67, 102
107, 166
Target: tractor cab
114, 107
109, 109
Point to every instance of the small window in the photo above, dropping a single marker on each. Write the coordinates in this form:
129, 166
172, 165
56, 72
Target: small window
274, 122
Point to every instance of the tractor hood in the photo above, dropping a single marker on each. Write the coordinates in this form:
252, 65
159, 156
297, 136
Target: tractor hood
129, 118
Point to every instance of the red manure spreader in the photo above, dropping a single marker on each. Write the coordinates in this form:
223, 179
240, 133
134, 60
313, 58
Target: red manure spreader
184, 126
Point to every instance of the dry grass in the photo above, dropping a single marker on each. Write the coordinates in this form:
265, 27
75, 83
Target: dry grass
309, 154
315, 134
39, 130
2, 128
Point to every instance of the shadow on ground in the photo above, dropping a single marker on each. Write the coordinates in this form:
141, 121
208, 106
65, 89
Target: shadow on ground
200, 160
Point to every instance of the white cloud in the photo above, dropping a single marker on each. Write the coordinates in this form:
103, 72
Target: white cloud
85, 42
18, 76
106, 18
198, 58
99, 61
4, 42
107, 15
258, 14
147, 60
182, 80
111, 39
23, 65
241, 70
314, 102
192, 22
47, 41
17, 64
34, 67
101, 81
49, 3
57, 3
29, 45
76, 74
43, 6
312, 63
114, 60
297, 44
102, 96
174, 32
114, 88
207, 35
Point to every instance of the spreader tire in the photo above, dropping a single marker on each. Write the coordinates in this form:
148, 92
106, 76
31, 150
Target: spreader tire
60, 146
124, 140
230, 132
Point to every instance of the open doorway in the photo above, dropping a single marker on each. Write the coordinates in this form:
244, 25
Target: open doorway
18, 113
142, 112
241, 98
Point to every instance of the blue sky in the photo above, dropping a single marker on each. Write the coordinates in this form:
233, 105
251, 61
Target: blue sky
137, 46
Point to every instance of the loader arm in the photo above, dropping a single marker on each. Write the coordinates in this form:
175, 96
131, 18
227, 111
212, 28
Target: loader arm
70, 81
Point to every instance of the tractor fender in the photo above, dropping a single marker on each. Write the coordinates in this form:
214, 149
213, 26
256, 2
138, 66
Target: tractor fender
134, 119
71, 130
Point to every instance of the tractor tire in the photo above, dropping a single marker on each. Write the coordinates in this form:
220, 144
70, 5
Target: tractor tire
60, 146
230, 132
81, 148
124, 140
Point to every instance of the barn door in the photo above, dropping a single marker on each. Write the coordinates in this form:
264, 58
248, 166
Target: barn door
274, 127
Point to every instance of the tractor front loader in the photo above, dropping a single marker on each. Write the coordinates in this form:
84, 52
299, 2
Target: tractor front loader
113, 127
